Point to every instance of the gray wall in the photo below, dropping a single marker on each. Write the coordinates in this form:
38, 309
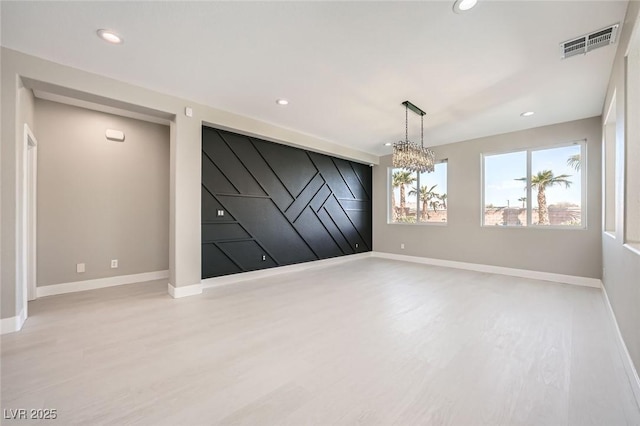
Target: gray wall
570, 252
24, 113
621, 265
97, 199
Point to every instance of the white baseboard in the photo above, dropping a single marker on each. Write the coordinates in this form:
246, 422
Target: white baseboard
263, 273
632, 373
523, 273
9, 325
50, 290
185, 291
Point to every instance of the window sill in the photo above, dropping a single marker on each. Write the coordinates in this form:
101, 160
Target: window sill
418, 224
537, 227
633, 247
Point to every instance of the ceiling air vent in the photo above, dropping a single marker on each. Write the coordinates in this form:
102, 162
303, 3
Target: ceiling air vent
586, 43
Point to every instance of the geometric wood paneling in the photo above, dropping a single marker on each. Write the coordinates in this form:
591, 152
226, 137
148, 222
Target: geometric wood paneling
280, 205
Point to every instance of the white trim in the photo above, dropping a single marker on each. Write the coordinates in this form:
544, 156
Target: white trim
25, 220
263, 273
185, 291
50, 290
12, 324
523, 273
632, 247
31, 208
630, 369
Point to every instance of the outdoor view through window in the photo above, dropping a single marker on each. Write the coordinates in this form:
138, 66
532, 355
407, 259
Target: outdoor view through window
550, 195
419, 197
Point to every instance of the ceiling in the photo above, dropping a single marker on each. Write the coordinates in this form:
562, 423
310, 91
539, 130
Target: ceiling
345, 67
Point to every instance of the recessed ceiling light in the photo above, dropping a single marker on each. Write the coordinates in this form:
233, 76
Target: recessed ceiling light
527, 114
110, 36
461, 6
387, 144
282, 102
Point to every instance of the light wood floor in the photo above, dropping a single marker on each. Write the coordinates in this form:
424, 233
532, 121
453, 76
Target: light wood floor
371, 342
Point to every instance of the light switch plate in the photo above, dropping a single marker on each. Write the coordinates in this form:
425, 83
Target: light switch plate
220, 213
80, 268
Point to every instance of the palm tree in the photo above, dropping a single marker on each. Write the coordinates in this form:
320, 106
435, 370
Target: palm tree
400, 179
443, 198
541, 182
524, 200
434, 204
425, 195
575, 162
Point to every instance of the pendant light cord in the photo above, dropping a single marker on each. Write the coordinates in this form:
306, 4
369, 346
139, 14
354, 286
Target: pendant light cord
406, 123
422, 131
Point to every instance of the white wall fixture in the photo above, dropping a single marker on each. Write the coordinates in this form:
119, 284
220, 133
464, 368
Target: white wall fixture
115, 135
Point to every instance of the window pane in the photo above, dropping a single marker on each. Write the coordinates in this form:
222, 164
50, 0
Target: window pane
610, 176
505, 195
556, 189
403, 196
432, 195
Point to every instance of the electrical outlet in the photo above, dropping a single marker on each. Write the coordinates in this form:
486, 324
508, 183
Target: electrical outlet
80, 268
402, 246
356, 245
264, 257
220, 213
114, 263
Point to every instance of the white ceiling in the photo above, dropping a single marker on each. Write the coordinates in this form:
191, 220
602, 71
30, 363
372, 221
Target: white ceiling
345, 67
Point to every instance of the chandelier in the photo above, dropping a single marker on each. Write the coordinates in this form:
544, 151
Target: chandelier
409, 155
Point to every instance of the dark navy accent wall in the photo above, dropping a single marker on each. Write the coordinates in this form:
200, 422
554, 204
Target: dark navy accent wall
266, 204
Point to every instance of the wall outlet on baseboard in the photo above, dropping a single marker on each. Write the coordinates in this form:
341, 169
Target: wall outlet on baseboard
264, 257
114, 263
80, 268
357, 245
402, 246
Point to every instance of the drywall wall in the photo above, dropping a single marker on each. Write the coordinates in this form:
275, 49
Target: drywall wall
185, 154
621, 264
571, 252
99, 200
265, 205
22, 114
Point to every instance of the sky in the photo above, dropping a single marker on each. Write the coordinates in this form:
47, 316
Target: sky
502, 170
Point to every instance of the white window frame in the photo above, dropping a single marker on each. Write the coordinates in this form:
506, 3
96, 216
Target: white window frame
418, 223
529, 151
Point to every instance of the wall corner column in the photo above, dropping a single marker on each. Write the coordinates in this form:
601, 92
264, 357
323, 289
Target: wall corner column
185, 199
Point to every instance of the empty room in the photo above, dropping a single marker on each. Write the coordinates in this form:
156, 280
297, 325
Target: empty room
320, 213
